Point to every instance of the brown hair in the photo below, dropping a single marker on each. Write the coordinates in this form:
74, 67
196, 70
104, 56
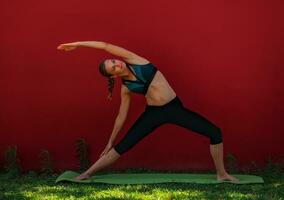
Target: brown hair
102, 69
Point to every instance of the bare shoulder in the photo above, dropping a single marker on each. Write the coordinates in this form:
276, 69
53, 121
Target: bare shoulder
138, 60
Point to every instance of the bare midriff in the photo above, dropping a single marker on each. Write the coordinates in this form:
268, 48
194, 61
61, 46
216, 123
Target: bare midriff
159, 92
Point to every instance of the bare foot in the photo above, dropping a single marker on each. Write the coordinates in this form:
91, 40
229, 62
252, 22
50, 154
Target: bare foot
81, 177
227, 177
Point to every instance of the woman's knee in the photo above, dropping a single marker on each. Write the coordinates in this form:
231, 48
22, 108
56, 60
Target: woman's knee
115, 152
216, 136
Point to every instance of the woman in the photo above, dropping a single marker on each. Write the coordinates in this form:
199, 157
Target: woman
139, 75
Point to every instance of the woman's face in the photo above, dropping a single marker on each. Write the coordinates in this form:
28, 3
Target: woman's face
114, 67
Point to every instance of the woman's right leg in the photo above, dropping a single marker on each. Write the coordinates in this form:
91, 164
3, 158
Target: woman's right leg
147, 122
110, 157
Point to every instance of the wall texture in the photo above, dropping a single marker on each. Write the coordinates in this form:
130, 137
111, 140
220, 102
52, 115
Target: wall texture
223, 59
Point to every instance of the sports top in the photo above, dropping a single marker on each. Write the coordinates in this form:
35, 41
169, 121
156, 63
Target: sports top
144, 75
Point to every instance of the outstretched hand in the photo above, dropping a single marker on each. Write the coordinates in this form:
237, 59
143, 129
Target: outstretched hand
68, 46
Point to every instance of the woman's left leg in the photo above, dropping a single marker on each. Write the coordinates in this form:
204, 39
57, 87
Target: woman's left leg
195, 122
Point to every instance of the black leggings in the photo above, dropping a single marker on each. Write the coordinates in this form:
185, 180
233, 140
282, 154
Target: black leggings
173, 112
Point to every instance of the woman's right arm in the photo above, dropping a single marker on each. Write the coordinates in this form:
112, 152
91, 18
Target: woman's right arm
120, 119
122, 114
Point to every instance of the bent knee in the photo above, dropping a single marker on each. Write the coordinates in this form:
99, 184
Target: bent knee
216, 136
116, 151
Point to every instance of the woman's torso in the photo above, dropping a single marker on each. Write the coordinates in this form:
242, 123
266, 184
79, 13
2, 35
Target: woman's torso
159, 91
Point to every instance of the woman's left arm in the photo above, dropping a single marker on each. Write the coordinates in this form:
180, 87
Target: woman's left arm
110, 48
119, 51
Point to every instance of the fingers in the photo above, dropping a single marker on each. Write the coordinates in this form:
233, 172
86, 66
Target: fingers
59, 47
62, 47
66, 46
103, 153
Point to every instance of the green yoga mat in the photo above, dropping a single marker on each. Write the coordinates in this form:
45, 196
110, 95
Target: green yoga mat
146, 178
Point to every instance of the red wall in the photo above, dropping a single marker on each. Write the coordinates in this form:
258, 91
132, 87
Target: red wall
222, 58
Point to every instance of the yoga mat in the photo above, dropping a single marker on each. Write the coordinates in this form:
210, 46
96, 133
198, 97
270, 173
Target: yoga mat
146, 178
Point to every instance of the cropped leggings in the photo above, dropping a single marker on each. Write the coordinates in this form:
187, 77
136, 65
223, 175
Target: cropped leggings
173, 112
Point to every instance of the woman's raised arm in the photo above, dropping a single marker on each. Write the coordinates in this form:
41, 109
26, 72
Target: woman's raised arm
110, 48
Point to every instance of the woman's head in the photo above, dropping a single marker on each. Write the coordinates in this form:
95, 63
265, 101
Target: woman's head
111, 68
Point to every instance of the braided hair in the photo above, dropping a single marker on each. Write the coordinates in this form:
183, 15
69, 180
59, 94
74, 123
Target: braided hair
102, 70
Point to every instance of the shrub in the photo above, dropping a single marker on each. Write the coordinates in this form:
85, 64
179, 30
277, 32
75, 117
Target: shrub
82, 154
231, 163
271, 166
46, 162
12, 162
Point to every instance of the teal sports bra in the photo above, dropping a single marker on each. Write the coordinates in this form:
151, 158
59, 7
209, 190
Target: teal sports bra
144, 75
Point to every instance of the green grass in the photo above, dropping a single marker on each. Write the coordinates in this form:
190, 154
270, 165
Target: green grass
31, 186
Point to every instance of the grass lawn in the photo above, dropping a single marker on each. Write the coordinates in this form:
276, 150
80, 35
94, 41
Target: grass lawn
32, 186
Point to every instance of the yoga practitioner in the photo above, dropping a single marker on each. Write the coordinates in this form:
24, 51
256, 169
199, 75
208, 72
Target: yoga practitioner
139, 75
